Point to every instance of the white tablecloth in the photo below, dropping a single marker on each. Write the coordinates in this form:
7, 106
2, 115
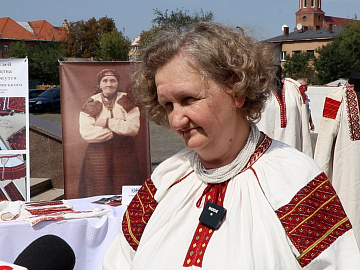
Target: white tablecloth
89, 237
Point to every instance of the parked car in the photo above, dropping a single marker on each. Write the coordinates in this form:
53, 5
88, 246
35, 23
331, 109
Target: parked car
48, 101
33, 93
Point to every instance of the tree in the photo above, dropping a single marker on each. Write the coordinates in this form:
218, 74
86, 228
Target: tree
340, 57
114, 46
83, 37
43, 60
18, 50
299, 66
178, 19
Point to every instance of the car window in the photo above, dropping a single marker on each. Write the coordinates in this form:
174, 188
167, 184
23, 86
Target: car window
51, 93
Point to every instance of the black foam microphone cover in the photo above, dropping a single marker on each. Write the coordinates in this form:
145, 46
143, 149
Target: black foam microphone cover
49, 252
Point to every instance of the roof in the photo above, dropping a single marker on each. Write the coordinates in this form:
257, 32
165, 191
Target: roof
36, 30
337, 21
309, 34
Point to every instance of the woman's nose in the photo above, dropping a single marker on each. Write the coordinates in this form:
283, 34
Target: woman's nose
178, 118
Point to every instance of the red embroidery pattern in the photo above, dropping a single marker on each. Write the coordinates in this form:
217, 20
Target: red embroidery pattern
138, 213
12, 173
13, 193
214, 193
302, 93
282, 105
17, 140
331, 108
2, 196
353, 112
8, 104
265, 144
17, 104
314, 219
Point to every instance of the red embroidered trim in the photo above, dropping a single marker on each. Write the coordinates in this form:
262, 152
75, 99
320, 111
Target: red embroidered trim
13, 193
202, 235
282, 105
314, 219
353, 112
138, 213
331, 108
12, 173
302, 93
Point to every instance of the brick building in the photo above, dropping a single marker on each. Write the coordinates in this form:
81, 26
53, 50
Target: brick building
313, 30
31, 32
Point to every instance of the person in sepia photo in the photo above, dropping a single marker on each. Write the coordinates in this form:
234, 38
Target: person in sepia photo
108, 120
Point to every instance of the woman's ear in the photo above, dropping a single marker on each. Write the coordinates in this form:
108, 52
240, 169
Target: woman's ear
239, 101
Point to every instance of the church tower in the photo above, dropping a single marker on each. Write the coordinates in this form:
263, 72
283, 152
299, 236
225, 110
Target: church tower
310, 14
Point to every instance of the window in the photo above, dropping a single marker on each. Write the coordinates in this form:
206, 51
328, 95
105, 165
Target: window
311, 54
312, 3
6, 49
304, 3
296, 52
319, 3
282, 56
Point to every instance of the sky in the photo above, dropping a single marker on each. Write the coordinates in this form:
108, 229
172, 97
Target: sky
260, 18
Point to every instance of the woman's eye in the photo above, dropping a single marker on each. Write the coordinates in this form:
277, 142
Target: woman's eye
168, 106
188, 100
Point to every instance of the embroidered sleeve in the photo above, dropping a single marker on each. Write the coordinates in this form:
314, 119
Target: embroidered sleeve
331, 108
138, 213
91, 107
127, 102
314, 219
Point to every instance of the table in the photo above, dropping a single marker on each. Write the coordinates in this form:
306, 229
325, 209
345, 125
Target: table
88, 237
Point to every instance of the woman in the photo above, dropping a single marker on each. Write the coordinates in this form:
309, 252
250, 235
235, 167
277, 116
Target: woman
108, 122
234, 199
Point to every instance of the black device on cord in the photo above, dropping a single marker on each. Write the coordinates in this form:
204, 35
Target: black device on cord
48, 252
212, 215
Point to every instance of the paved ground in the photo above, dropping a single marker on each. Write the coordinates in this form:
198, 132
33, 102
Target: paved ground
163, 142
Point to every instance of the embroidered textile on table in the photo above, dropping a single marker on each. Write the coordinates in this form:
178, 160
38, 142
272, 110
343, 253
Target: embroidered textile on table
353, 112
314, 219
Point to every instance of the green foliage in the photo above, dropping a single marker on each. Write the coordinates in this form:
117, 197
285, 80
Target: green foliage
178, 19
298, 66
83, 37
18, 50
43, 60
114, 46
340, 57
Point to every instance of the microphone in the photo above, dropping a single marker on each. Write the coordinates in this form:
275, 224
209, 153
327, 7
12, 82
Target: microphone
47, 252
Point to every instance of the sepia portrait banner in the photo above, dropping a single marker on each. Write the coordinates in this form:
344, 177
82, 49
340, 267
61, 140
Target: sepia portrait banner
105, 132
14, 130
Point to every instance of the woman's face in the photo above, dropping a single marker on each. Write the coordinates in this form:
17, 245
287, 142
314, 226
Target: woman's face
109, 85
200, 111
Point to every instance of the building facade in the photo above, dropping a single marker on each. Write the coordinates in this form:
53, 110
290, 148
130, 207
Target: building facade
31, 32
313, 29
